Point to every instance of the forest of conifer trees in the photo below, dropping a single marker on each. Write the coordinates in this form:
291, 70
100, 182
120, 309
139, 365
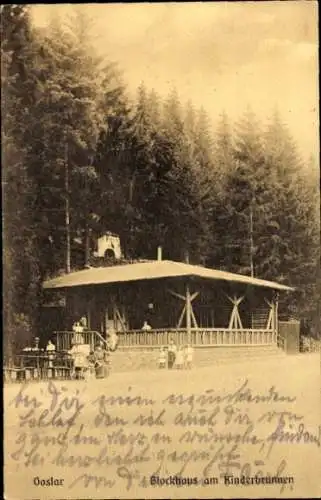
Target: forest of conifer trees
81, 157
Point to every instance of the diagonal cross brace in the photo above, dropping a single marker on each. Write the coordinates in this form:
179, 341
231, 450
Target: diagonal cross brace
182, 297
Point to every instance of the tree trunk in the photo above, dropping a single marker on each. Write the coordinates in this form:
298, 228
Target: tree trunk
87, 246
251, 241
67, 210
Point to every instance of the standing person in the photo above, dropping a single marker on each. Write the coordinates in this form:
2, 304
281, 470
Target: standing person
83, 323
189, 356
77, 327
51, 348
146, 327
77, 337
162, 358
78, 356
172, 351
112, 340
101, 361
179, 363
91, 364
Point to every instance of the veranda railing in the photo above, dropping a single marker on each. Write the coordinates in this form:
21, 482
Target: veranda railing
64, 339
198, 336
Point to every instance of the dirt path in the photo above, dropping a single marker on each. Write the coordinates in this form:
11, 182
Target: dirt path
208, 423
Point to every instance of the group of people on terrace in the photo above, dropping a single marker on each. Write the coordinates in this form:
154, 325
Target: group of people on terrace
173, 356
88, 362
176, 357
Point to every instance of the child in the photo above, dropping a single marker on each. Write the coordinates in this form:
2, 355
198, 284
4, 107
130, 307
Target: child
162, 358
101, 361
51, 348
171, 352
189, 356
180, 358
91, 365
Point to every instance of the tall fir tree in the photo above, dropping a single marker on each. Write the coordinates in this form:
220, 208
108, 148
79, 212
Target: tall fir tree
20, 259
295, 213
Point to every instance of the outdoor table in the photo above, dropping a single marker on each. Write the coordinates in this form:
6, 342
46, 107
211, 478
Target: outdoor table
30, 363
62, 364
40, 364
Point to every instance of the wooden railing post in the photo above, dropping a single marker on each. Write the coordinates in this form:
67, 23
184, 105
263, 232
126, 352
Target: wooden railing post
199, 336
188, 313
276, 320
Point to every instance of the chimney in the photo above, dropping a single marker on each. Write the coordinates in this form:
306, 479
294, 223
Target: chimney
186, 255
159, 253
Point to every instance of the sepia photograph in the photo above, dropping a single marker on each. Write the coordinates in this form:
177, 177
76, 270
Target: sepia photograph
161, 250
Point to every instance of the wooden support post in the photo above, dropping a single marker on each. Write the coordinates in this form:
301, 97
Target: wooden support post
271, 317
187, 309
178, 295
182, 297
105, 321
89, 316
117, 317
270, 321
124, 318
114, 314
188, 314
179, 324
195, 294
121, 320
193, 318
212, 325
235, 319
276, 314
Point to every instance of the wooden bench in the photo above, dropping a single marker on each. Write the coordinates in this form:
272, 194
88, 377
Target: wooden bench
61, 372
31, 373
14, 374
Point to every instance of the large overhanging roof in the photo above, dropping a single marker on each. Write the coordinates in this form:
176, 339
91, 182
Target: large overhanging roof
152, 270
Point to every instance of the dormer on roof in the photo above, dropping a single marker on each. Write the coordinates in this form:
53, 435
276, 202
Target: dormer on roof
109, 247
